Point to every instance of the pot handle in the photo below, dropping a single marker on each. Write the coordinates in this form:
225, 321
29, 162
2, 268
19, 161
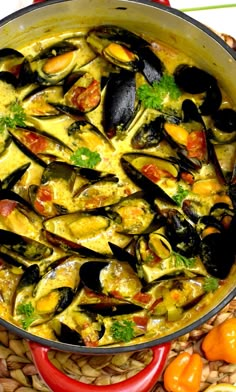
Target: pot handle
164, 2
59, 382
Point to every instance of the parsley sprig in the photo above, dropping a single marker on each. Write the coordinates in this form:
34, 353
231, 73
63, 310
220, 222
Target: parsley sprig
123, 330
182, 261
153, 96
27, 311
180, 195
84, 157
16, 117
210, 284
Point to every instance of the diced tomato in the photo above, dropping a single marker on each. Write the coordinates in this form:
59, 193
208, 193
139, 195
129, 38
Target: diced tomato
36, 143
116, 294
86, 99
45, 193
187, 177
196, 144
141, 322
143, 298
154, 173
6, 207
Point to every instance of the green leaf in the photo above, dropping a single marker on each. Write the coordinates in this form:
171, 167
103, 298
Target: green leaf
181, 261
180, 195
153, 96
27, 310
210, 284
84, 157
16, 117
123, 330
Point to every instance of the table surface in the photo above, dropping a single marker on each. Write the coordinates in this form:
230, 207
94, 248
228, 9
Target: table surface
217, 14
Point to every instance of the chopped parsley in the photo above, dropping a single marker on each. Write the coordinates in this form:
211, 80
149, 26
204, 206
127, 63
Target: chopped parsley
210, 284
153, 96
84, 157
182, 261
16, 117
180, 195
26, 310
123, 330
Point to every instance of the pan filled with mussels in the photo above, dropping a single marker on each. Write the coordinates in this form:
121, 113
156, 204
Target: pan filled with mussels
118, 177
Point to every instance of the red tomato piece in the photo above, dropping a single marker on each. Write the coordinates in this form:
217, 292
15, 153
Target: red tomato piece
187, 177
36, 143
142, 297
6, 207
141, 322
86, 99
196, 144
154, 173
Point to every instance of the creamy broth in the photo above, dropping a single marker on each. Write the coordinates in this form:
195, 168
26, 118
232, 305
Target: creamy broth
116, 230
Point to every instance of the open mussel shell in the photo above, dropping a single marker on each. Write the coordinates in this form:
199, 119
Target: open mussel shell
132, 214
103, 277
25, 247
85, 233
149, 171
176, 296
84, 133
83, 328
188, 136
117, 45
40, 146
54, 63
84, 94
37, 102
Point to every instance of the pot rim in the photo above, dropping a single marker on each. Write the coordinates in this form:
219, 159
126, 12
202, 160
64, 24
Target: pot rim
151, 3
55, 345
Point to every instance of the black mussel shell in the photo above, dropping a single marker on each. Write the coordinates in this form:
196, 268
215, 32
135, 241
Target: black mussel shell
30, 249
119, 102
182, 235
153, 68
106, 310
67, 335
11, 180
9, 78
89, 275
192, 79
217, 254
225, 120
149, 134
31, 276
122, 255
56, 49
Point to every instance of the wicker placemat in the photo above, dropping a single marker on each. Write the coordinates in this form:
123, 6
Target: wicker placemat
18, 373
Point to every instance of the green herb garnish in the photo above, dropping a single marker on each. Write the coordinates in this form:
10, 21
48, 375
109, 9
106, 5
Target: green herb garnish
210, 284
84, 157
16, 117
181, 261
153, 96
180, 195
26, 310
123, 330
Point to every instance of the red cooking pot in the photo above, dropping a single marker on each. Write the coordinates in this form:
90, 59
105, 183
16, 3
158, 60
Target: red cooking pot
178, 30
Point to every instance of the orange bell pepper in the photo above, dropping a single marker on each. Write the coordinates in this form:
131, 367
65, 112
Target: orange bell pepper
220, 342
184, 373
